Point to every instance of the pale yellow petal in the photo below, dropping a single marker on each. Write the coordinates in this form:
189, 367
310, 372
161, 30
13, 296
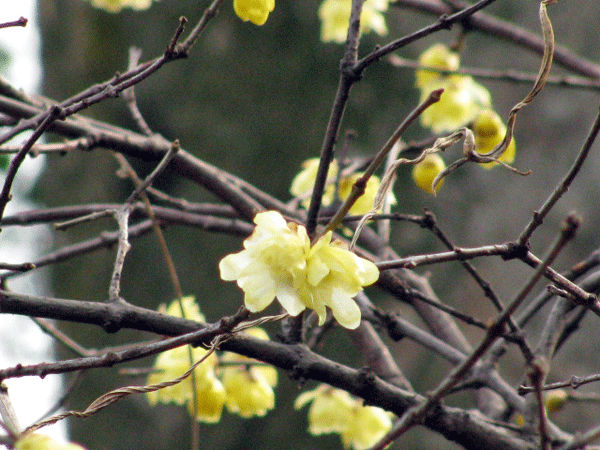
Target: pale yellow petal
344, 309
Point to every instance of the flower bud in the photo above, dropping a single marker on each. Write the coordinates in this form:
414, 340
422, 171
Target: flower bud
424, 172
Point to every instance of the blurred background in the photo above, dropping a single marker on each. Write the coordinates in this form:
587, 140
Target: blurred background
255, 102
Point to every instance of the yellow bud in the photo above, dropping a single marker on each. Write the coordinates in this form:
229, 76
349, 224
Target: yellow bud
425, 172
256, 11
556, 399
489, 131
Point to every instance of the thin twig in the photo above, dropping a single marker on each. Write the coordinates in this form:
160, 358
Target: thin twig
563, 186
415, 414
55, 113
20, 22
358, 188
494, 26
444, 22
511, 76
347, 79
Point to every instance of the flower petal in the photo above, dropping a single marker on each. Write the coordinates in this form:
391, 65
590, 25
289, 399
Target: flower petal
345, 310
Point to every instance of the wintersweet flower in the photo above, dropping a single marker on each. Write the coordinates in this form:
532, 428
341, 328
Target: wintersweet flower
489, 131
303, 183
247, 395
210, 393
335, 17
249, 386
191, 310
255, 11
333, 410
424, 172
463, 99
36, 441
115, 6
367, 426
330, 410
278, 260
438, 56
210, 398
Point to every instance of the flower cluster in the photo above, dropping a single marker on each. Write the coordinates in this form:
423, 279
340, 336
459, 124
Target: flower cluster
230, 381
303, 183
249, 386
335, 17
115, 6
255, 11
335, 411
36, 441
278, 260
463, 103
463, 97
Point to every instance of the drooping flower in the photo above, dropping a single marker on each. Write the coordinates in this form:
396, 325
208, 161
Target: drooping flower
247, 394
36, 441
438, 56
115, 6
255, 11
335, 17
424, 172
279, 261
249, 386
330, 410
302, 186
463, 99
367, 425
210, 393
333, 410
210, 398
489, 131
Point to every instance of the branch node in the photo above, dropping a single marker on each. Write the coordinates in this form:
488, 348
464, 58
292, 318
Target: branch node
515, 251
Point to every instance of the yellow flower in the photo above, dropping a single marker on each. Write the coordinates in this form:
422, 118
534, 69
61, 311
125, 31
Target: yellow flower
35, 441
256, 11
210, 398
330, 410
302, 186
555, 400
424, 172
489, 131
335, 17
463, 99
249, 386
247, 395
367, 425
191, 310
279, 261
333, 410
115, 6
438, 56
210, 393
